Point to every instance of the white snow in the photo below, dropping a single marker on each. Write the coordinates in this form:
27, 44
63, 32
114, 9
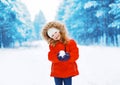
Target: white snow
62, 53
90, 4
30, 66
99, 13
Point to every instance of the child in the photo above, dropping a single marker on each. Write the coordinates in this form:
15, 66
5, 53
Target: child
63, 53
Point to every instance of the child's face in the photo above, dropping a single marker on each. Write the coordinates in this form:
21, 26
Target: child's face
56, 36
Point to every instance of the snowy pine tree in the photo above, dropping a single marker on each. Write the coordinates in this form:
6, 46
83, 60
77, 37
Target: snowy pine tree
88, 21
115, 25
15, 23
39, 21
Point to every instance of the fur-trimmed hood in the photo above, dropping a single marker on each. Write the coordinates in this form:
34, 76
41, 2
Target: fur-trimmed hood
54, 24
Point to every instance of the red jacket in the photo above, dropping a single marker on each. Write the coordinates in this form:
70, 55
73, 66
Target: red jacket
64, 69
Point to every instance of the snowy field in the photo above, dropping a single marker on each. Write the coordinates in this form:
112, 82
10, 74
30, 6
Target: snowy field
30, 66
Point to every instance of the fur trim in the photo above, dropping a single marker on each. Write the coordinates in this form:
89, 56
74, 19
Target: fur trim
57, 25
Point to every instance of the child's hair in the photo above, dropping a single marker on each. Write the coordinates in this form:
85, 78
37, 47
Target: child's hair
57, 25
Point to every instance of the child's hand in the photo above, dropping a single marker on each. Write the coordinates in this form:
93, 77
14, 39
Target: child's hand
66, 56
63, 56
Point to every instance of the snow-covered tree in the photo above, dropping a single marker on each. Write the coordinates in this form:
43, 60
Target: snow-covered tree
88, 21
15, 23
115, 25
38, 24
65, 14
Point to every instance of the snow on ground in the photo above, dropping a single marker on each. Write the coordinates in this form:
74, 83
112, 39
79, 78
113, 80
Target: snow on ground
30, 66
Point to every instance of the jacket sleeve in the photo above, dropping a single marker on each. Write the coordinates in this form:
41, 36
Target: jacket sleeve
52, 55
74, 51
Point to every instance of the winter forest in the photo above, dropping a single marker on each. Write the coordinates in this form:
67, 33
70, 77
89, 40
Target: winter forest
89, 22
93, 24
